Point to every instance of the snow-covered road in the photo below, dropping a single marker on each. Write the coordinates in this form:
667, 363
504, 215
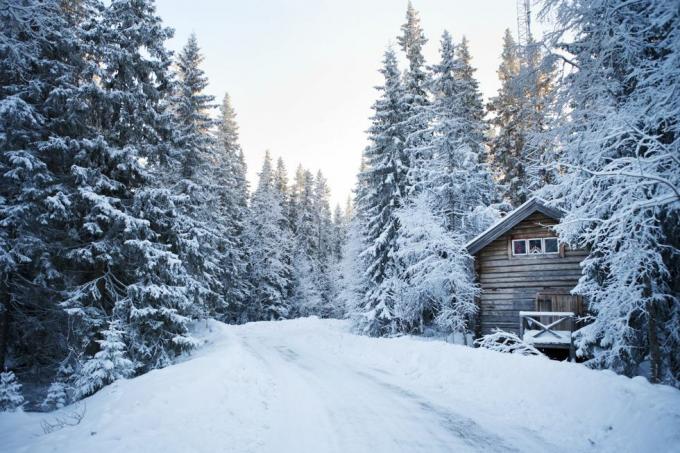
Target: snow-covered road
330, 404
310, 386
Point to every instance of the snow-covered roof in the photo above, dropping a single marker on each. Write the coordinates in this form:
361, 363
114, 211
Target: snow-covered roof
508, 222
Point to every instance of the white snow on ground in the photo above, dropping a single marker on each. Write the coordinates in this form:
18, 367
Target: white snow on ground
308, 385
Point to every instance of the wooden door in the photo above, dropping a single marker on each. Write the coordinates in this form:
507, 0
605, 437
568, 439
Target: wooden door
558, 301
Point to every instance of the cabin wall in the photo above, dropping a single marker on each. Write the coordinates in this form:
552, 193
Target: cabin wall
510, 284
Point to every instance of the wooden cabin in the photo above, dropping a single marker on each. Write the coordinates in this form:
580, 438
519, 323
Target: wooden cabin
526, 276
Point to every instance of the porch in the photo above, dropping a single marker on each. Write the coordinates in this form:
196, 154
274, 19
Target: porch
547, 330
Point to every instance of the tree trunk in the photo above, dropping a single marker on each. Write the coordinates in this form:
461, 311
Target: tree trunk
4, 322
654, 350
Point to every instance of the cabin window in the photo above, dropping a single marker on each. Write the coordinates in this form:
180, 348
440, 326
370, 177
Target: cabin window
535, 246
550, 245
519, 247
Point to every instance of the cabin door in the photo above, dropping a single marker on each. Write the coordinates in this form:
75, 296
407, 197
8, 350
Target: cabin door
558, 301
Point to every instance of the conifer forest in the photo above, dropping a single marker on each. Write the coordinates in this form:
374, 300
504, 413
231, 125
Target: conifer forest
140, 264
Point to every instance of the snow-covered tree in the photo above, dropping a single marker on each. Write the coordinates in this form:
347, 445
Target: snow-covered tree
415, 98
339, 231
269, 244
120, 259
382, 182
192, 108
314, 238
352, 271
198, 229
620, 176
521, 112
434, 277
11, 398
56, 397
455, 170
324, 259
41, 58
231, 185
323, 219
109, 364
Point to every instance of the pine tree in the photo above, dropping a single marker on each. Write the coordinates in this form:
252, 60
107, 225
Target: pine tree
42, 57
456, 171
269, 244
324, 238
107, 365
122, 261
382, 187
306, 217
296, 194
198, 230
434, 282
322, 218
56, 397
521, 113
339, 232
620, 177
281, 185
11, 398
229, 171
431, 280
192, 109
306, 295
415, 99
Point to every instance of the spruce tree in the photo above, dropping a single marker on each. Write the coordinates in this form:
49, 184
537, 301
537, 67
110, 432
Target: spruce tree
521, 112
456, 171
269, 245
229, 172
122, 263
383, 183
434, 283
324, 237
322, 218
198, 231
415, 82
42, 60
339, 231
306, 296
107, 365
11, 398
281, 185
56, 397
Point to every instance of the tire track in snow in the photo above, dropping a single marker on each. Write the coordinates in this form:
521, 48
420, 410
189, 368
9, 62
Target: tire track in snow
462, 427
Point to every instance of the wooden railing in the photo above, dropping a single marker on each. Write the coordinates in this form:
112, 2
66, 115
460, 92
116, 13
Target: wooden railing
547, 334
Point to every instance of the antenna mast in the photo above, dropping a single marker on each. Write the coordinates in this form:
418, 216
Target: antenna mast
523, 22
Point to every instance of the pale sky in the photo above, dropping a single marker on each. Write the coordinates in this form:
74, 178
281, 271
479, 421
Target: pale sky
301, 72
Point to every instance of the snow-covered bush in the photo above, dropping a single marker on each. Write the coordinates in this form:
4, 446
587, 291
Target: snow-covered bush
56, 396
11, 398
107, 365
506, 342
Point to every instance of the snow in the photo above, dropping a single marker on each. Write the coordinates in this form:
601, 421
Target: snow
308, 385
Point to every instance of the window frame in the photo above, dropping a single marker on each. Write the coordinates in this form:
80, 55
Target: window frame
557, 246
526, 246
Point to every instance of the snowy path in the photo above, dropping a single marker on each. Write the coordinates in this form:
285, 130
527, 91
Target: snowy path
335, 407
310, 386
